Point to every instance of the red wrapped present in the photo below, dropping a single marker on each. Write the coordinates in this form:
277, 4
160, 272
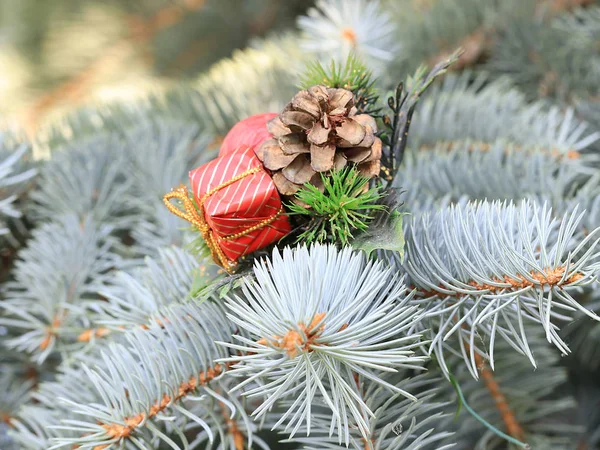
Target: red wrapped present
238, 207
251, 132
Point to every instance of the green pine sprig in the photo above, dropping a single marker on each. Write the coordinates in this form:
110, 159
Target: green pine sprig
344, 207
352, 75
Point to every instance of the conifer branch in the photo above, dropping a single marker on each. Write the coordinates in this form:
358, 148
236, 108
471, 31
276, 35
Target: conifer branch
118, 432
16, 393
149, 377
65, 262
340, 332
16, 176
538, 55
321, 344
511, 423
487, 269
93, 333
86, 181
432, 179
536, 397
547, 278
474, 44
398, 424
481, 109
483, 146
222, 97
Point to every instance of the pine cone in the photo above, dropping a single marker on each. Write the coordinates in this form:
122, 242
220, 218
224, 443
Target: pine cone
317, 132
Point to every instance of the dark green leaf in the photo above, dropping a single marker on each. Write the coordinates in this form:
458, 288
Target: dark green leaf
386, 235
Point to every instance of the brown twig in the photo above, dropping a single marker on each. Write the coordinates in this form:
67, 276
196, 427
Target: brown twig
239, 439
87, 335
475, 45
368, 444
119, 431
51, 332
511, 423
549, 277
6, 418
557, 6
482, 146
293, 338
513, 427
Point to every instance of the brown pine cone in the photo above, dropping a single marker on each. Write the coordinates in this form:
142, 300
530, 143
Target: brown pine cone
317, 132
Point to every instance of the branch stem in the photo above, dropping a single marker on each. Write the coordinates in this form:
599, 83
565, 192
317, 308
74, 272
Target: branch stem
508, 417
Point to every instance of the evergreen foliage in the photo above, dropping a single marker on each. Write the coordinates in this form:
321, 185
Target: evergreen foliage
313, 334
480, 266
16, 176
541, 410
346, 204
352, 75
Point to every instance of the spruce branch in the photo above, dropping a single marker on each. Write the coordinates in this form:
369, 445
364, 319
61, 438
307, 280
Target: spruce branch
515, 431
398, 423
148, 377
230, 431
512, 425
170, 151
430, 31
15, 392
65, 263
344, 208
321, 314
34, 420
319, 332
558, 59
485, 270
583, 336
536, 397
478, 108
260, 78
86, 180
16, 177
134, 297
499, 398
475, 46
501, 172
589, 110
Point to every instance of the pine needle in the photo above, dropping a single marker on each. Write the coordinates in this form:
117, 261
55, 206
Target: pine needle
353, 75
343, 208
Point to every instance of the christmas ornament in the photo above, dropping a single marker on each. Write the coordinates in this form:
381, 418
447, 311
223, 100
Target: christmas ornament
237, 207
251, 132
319, 131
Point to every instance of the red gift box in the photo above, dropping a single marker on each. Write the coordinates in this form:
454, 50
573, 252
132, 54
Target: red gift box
251, 132
238, 210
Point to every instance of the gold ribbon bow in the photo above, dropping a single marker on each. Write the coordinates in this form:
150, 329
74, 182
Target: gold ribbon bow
196, 218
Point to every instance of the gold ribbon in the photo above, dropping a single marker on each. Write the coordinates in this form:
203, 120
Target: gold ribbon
197, 218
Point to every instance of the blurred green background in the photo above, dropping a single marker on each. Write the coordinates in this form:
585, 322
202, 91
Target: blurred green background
56, 54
